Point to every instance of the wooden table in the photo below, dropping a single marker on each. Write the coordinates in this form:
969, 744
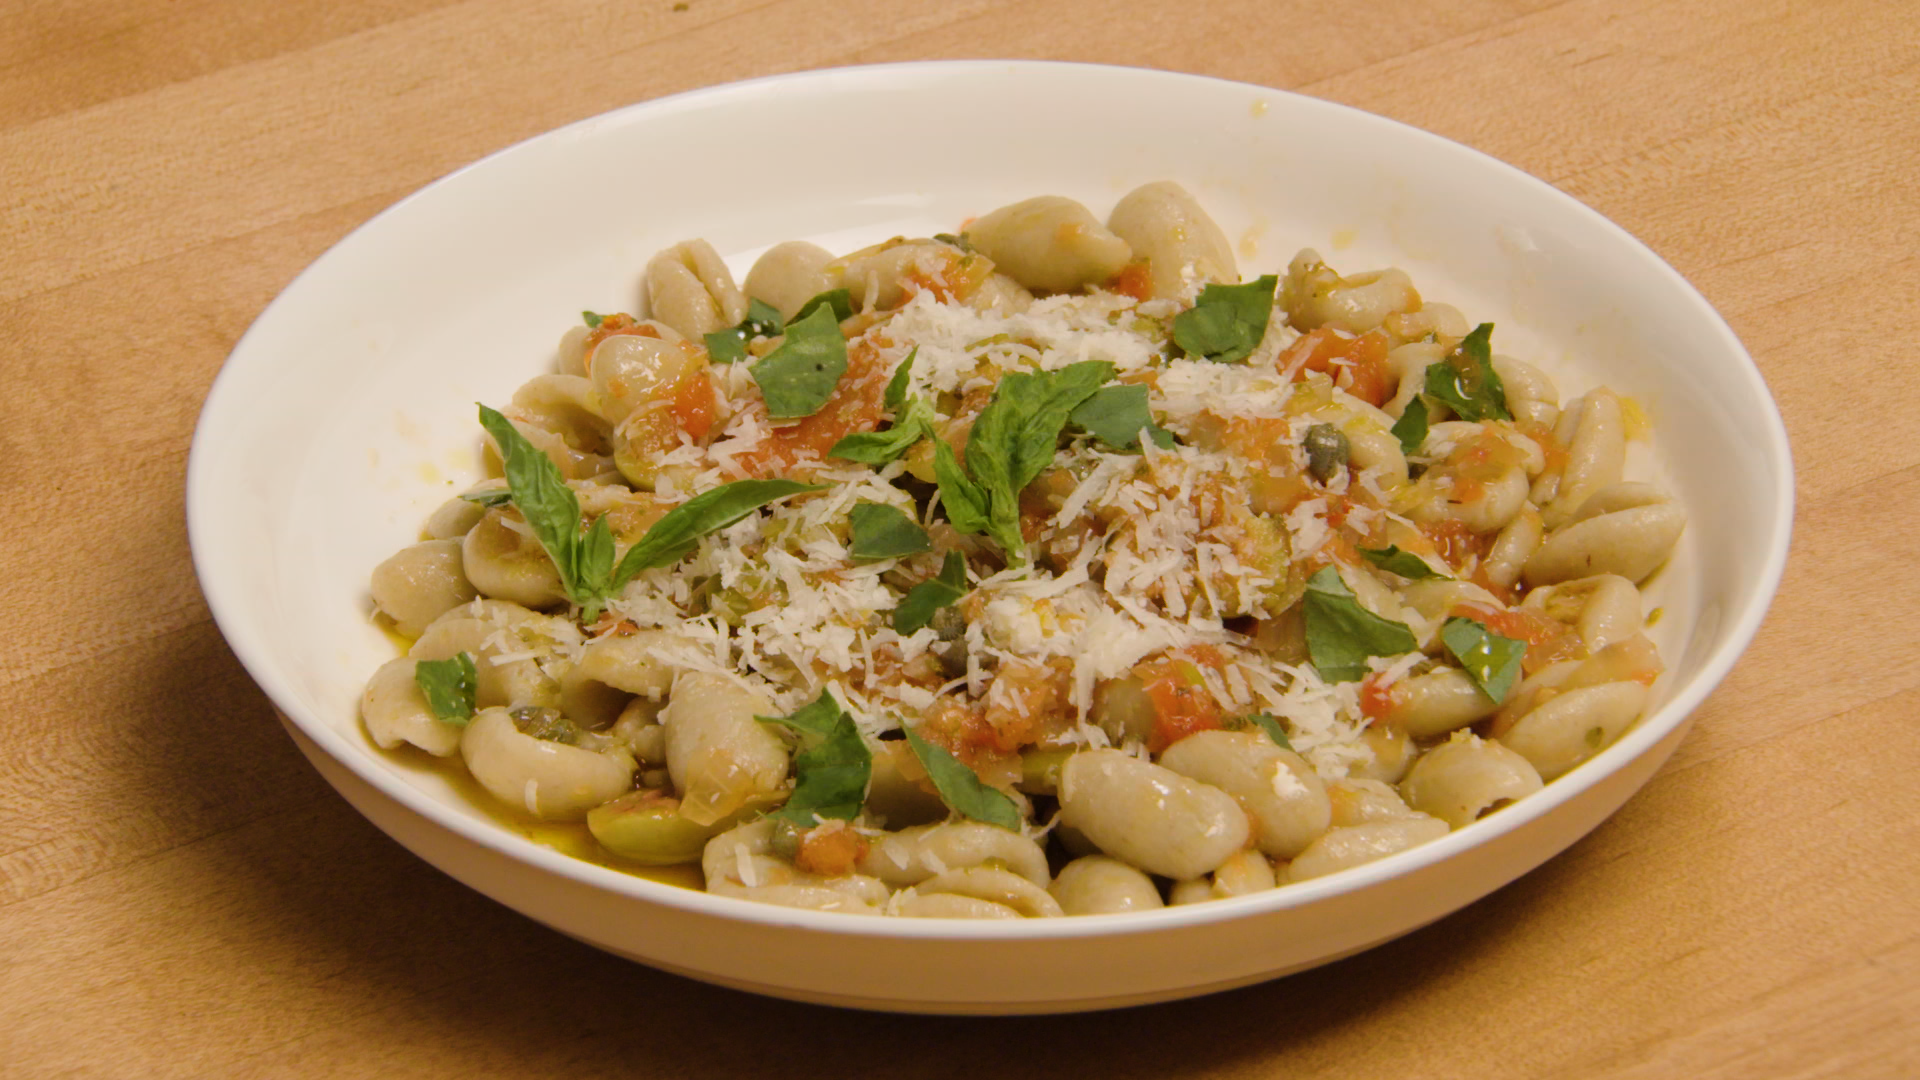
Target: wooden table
180, 895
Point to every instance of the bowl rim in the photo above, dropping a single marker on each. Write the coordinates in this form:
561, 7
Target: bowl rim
202, 498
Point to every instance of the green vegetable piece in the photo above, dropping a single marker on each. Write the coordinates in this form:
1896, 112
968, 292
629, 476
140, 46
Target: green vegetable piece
1411, 428
592, 319
545, 723
918, 607
799, 376
1116, 415
1405, 563
1341, 634
951, 240
880, 447
961, 789
488, 499
1015, 438
1327, 451
645, 827
1272, 726
674, 535
896, 394
1226, 322
729, 345
832, 768
1466, 382
838, 301
966, 502
553, 513
885, 532
1492, 661
913, 418
449, 686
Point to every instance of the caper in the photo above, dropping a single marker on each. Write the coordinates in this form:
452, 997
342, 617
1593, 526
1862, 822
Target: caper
1327, 451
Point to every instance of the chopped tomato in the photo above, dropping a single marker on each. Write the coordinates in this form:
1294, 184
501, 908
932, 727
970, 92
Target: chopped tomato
1134, 279
856, 405
1455, 541
1548, 640
1357, 365
1376, 698
1181, 703
694, 404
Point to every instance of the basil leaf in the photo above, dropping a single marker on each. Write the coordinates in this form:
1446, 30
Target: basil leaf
1272, 727
1405, 563
896, 394
909, 424
1225, 324
1492, 661
592, 319
880, 447
951, 240
1341, 634
545, 501
966, 502
1466, 382
449, 686
961, 789
839, 301
730, 345
885, 532
831, 774
488, 499
593, 565
799, 376
917, 608
1015, 438
1411, 428
673, 536
1116, 415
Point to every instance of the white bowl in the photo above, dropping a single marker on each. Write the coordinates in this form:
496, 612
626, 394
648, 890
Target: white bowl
346, 414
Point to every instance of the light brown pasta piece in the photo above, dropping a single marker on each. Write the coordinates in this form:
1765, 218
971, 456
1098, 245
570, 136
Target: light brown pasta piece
1182, 245
1466, 777
1049, 244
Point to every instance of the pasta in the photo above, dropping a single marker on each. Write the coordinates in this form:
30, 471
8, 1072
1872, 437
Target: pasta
1048, 568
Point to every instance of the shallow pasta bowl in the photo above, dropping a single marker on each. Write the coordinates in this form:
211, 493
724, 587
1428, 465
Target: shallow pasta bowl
345, 416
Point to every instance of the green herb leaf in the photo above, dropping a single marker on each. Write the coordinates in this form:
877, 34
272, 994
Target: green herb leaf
896, 394
488, 499
710, 511
592, 319
729, 345
799, 376
961, 789
1116, 415
1341, 634
885, 532
1014, 438
1225, 324
831, 774
917, 608
1466, 382
548, 505
839, 301
1492, 661
1272, 727
912, 419
449, 686
1411, 428
951, 240
1405, 563
880, 447
966, 502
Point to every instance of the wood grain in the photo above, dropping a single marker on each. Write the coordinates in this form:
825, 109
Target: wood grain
180, 895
